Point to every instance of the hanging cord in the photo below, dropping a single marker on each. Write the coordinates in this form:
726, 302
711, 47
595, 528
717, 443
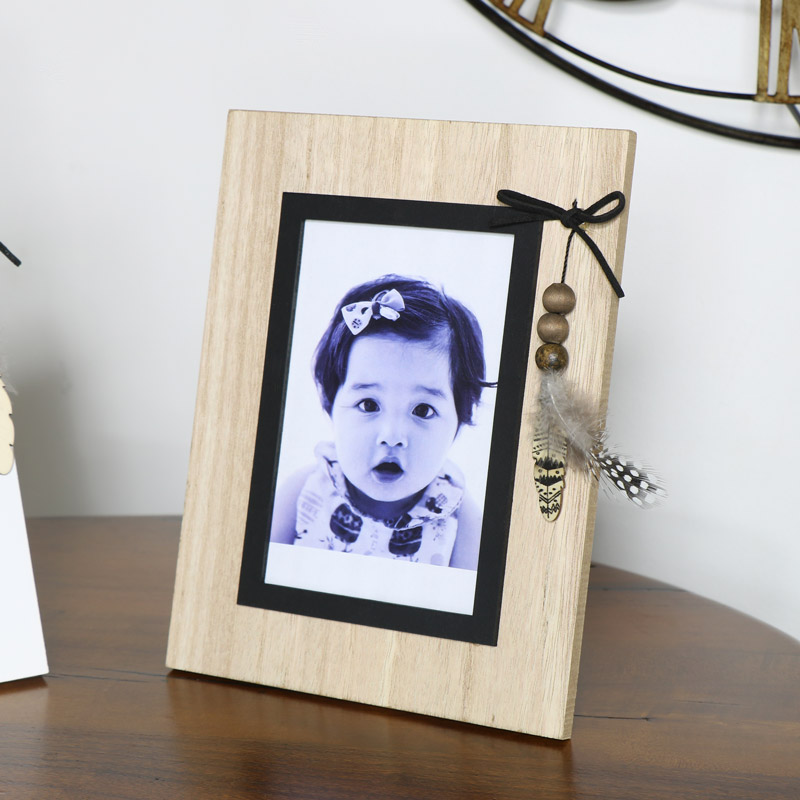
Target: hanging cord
566, 251
541, 211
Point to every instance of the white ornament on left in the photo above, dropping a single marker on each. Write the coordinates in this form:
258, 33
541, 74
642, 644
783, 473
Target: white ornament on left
6, 432
22, 652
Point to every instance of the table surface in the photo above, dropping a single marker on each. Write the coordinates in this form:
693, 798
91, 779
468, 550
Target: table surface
678, 697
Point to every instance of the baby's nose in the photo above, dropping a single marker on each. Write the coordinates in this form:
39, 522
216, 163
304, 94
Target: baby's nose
393, 434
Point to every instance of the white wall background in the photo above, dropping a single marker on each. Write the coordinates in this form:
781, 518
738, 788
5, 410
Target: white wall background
113, 118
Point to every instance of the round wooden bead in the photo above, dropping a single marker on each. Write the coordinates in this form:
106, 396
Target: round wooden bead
552, 328
551, 356
558, 298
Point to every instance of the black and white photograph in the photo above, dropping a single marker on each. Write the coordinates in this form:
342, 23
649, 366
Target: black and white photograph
380, 466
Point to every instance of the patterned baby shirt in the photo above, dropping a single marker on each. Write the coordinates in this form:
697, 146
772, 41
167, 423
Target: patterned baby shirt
327, 518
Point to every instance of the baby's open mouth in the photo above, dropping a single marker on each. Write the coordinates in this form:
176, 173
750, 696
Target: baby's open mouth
387, 471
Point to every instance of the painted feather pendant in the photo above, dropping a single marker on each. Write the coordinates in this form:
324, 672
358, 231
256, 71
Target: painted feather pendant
6, 432
550, 465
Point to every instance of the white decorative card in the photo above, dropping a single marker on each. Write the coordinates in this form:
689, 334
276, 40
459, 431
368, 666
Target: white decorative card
22, 652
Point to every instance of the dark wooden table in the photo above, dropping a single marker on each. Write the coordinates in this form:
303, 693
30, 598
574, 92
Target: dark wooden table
678, 698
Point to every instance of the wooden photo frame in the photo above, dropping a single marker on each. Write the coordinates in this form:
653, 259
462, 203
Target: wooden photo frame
311, 206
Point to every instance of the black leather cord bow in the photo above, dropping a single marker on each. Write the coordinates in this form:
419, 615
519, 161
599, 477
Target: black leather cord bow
572, 218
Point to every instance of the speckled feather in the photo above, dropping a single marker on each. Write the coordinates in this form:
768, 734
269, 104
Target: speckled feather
561, 410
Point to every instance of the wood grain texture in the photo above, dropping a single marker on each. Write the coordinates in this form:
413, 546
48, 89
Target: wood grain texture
527, 682
678, 699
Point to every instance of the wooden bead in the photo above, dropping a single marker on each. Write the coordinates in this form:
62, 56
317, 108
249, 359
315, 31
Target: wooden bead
552, 328
558, 298
551, 356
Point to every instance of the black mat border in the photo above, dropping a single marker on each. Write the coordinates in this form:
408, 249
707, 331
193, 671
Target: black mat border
482, 626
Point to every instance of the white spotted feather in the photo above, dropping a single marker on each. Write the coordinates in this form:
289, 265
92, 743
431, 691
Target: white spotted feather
587, 440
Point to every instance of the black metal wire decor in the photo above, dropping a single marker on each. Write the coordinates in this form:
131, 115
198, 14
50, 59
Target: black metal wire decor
532, 35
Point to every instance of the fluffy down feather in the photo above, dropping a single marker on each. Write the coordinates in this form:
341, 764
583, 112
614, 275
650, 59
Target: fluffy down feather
562, 412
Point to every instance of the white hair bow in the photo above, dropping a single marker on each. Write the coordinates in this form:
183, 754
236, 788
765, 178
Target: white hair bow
387, 304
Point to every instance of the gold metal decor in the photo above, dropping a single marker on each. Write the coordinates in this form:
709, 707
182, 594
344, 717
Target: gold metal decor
526, 22
790, 22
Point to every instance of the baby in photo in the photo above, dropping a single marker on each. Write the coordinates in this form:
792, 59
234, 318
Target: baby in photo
399, 370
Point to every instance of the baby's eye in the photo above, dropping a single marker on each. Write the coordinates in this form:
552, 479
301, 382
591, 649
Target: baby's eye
424, 411
368, 406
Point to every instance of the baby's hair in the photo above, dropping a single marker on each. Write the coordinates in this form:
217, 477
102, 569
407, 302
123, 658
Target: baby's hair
429, 316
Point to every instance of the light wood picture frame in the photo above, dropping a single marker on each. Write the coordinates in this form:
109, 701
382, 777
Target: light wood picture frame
509, 658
